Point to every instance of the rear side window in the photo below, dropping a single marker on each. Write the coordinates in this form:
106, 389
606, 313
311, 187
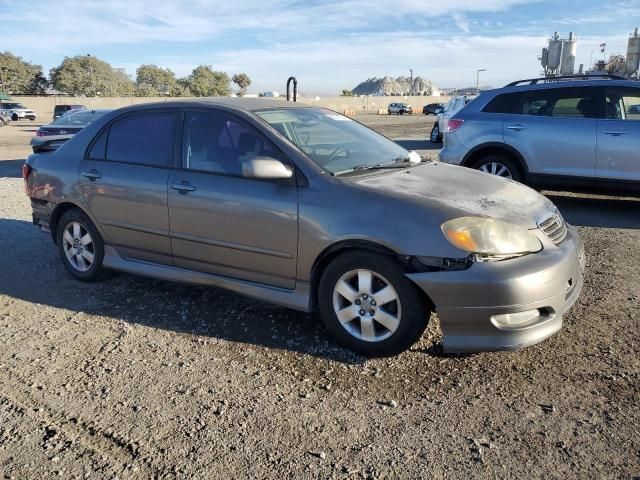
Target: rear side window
99, 147
504, 103
144, 138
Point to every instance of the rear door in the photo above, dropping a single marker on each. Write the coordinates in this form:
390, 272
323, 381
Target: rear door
222, 222
554, 129
124, 181
618, 146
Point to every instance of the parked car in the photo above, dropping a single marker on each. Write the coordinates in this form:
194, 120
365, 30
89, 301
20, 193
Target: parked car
307, 208
17, 111
576, 133
60, 110
63, 129
634, 110
433, 108
450, 108
399, 108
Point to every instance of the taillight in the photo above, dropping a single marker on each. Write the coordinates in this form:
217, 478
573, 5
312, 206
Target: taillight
26, 171
454, 124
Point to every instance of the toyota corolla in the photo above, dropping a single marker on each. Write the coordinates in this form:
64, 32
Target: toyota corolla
312, 210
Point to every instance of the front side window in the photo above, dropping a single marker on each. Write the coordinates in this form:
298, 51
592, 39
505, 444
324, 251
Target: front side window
143, 138
622, 103
216, 142
334, 142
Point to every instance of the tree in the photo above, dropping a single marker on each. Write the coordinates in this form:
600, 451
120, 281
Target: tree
90, 76
181, 88
152, 80
346, 93
243, 81
206, 82
21, 77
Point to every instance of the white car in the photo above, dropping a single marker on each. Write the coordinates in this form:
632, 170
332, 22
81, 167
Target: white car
452, 107
399, 108
17, 111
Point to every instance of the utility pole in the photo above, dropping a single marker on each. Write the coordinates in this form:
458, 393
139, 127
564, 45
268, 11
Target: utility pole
478, 78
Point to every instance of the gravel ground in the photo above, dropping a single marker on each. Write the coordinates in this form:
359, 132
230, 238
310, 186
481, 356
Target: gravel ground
136, 378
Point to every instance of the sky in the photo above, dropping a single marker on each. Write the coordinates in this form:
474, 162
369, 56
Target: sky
328, 46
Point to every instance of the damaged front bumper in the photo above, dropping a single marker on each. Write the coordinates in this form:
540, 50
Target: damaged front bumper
510, 304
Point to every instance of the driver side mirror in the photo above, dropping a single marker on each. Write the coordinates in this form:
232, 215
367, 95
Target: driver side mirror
266, 168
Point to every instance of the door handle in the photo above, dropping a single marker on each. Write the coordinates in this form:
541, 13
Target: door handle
517, 127
615, 133
183, 188
93, 175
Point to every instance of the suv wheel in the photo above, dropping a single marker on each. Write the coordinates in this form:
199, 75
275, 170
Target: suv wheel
15, 117
435, 137
80, 246
370, 306
500, 166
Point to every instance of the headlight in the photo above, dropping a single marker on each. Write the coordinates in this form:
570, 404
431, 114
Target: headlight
488, 237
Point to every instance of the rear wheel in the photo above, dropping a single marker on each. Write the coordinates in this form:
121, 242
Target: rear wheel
435, 137
500, 166
80, 246
15, 117
370, 306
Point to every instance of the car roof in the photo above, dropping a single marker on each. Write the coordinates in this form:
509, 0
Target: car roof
245, 104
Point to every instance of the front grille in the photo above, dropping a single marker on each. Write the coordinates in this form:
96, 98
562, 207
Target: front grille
554, 227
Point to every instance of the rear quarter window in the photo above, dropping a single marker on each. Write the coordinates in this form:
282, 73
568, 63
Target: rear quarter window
503, 103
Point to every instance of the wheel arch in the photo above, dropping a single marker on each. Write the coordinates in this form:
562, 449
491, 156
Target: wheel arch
59, 210
343, 246
484, 149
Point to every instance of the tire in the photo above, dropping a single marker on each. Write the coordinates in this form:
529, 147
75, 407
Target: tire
400, 112
495, 164
405, 311
80, 266
434, 136
15, 117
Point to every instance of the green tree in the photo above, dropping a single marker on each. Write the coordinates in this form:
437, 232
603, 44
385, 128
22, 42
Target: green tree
206, 82
242, 80
181, 88
21, 77
346, 93
90, 76
152, 80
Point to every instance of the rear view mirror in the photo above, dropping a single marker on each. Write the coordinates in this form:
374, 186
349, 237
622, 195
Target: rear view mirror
266, 168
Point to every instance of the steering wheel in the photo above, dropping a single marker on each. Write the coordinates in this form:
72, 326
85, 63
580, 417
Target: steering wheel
333, 156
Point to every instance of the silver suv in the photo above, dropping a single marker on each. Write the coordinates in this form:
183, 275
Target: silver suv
310, 209
576, 133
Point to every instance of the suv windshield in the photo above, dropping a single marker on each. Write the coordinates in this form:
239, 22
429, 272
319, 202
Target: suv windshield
335, 142
12, 105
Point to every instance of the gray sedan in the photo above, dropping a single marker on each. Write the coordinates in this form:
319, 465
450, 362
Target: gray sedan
312, 210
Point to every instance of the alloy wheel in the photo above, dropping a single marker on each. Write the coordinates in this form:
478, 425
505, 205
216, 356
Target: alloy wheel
78, 246
496, 168
366, 305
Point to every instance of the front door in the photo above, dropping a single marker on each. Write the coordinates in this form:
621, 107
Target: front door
124, 182
555, 131
618, 151
222, 222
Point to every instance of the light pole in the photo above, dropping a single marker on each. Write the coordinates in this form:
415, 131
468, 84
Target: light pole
478, 78
93, 84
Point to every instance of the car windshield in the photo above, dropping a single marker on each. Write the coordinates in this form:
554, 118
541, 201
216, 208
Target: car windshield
335, 142
13, 105
77, 118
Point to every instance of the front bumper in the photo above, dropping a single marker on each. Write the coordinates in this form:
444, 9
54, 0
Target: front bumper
472, 303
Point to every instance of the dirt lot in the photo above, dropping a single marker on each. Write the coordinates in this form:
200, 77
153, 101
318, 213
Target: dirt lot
140, 378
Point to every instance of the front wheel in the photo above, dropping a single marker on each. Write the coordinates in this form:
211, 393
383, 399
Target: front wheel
80, 246
435, 134
15, 117
370, 306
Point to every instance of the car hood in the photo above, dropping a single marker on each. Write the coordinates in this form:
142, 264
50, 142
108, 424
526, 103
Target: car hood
459, 191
